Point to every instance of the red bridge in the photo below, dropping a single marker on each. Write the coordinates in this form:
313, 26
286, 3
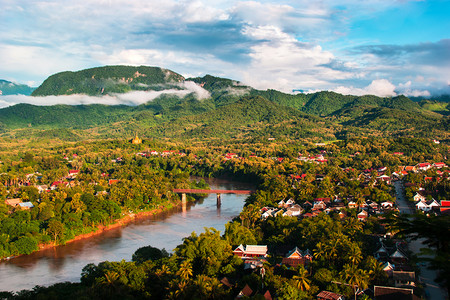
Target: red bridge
218, 192
199, 191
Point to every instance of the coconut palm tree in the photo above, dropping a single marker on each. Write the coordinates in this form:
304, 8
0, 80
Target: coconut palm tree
301, 281
352, 226
355, 277
354, 254
185, 270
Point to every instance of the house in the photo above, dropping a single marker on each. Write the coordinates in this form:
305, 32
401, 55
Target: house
373, 205
112, 181
297, 257
398, 257
14, 202
338, 205
362, 216
388, 268
325, 295
245, 292
423, 166
410, 169
55, 184
422, 205
387, 292
252, 264
251, 251
387, 204
42, 188
293, 211
267, 295
426, 206
404, 279
352, 204
268, 212
385, 178
319, 205
26, 205
439, 165
226, 282
73, 173
445, 206
382, 253
433, 203
290, 202
307, 205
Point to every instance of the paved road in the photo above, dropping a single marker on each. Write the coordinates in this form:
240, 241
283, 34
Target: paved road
432, 290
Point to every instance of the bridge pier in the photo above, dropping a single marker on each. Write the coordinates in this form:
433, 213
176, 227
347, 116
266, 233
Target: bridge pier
183, 199
219, 200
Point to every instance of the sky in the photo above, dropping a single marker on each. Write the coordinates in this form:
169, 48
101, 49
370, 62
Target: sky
380, 47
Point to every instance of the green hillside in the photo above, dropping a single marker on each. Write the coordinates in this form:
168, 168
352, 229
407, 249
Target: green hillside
250, 117
232, 111
109, 79
61, 116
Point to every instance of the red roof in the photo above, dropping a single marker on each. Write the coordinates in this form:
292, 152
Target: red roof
329, 295
422, 165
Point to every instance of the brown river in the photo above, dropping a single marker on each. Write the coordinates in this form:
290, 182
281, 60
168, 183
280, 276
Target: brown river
64, 263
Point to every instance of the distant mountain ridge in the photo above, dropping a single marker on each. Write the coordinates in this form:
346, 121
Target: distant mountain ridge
232, 110
11, 88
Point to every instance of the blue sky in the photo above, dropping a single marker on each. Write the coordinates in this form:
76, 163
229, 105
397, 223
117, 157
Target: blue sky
382, 47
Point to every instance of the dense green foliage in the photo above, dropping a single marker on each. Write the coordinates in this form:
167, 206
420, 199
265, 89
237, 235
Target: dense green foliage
342, 248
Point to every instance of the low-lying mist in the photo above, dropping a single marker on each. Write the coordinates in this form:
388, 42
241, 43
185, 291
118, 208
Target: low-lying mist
131, 98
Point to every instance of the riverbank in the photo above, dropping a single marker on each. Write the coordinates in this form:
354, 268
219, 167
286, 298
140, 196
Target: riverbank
123, 221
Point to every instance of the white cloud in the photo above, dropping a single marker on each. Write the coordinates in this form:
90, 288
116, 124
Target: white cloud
130, 98
407, 90
283, 45
281, 62
378, 87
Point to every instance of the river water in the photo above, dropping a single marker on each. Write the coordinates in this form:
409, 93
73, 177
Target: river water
64, 263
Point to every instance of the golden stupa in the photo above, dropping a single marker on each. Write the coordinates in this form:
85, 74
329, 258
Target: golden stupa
136, 140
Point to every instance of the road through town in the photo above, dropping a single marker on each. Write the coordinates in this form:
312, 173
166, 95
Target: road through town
432, 290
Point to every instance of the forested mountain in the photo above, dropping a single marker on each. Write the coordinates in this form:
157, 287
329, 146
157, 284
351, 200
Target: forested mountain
231, 110
11, 88
109, 79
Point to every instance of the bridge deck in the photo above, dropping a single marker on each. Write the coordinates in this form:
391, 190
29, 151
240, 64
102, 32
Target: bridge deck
199, 191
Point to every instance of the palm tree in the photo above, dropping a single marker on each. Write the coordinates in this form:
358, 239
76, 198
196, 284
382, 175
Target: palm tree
110, 277
320, 251
185, 270
165, 270
352, 225
301, 281
354, 254
355, 277
376, 273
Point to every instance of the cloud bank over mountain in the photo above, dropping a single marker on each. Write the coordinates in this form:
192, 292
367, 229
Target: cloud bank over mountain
130, 98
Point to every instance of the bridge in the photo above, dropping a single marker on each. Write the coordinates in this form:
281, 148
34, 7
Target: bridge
202, 191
